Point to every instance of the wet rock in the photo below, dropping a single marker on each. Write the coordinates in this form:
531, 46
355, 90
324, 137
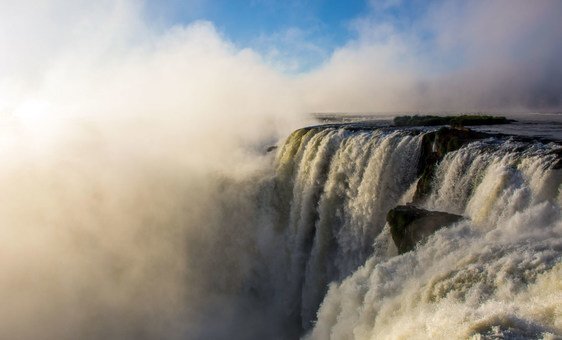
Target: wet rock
410, 225
435, 145
557, 164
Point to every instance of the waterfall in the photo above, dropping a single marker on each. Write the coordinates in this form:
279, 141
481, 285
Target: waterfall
337, 275
496, 273
334, 187
301, 243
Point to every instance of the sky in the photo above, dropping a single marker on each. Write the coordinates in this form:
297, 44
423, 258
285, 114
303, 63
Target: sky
325, 55
300, 33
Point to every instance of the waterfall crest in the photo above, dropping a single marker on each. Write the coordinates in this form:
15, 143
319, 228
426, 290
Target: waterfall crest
495, 272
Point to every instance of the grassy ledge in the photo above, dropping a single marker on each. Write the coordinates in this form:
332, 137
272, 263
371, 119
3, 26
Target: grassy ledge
462, 120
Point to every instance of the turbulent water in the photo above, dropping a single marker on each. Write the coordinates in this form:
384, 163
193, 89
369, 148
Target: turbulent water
333, 188
100, 242
331, 270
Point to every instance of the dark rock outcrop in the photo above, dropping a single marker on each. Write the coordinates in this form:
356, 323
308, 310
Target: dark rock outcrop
410, 225
557, 165
435, 145
271, 148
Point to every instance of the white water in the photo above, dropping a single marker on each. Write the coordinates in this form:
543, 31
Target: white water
295, 245
496, 273
336, 187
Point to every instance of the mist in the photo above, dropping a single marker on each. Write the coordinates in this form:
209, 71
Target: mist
119, 153
133, 152
456, 56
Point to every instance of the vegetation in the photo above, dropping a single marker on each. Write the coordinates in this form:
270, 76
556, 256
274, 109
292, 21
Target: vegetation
462, 120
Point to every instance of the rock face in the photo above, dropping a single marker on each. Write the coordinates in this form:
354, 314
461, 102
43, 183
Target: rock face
558, 164
410, 225
271, 148
434, 147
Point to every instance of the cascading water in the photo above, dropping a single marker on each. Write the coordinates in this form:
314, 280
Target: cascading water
335, 272
296, 245
334, 188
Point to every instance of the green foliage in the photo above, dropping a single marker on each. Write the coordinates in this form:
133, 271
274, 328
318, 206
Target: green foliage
462, 120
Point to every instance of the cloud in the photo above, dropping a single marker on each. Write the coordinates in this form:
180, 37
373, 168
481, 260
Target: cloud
291, 51
508, 49
452, 55
124, 146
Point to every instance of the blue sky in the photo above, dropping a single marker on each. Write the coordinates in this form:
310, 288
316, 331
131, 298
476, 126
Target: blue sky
303, 32
360, 55
298, 35
244, 21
